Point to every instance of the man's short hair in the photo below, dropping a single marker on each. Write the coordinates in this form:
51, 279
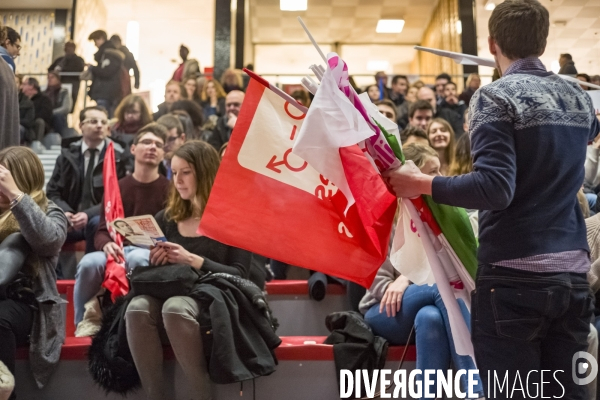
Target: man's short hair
445, 76
156, 129
567, 56
389, 103
413, 131
520, 28
419, 105
70, 43
115, 39
97, 108
33, 82
451, 83
396, 78
170, 121
99, 34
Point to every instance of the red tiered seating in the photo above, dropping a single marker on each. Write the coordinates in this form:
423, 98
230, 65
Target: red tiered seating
292, 347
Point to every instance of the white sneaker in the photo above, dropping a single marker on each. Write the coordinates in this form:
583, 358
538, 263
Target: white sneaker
7, 382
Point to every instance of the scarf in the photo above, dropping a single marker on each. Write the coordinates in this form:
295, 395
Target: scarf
128, 127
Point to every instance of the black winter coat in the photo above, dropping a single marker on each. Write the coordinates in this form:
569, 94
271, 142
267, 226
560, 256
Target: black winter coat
234, 307
43, 107
106, 76
237, 309
65, 187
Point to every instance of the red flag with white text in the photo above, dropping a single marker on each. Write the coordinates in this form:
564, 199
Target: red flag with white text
115, 276
271, 202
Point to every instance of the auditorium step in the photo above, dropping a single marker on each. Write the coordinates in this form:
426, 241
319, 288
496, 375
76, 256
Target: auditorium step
306, 370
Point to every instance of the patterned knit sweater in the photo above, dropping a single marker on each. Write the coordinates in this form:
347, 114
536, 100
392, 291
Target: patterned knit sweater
529, 132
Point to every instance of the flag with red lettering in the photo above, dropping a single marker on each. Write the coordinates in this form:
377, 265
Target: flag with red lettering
270, 201
115, 276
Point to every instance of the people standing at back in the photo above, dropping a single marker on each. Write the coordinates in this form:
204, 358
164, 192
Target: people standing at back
10, 47
567, 65
69, 63
129, 62
106, 87
77, 184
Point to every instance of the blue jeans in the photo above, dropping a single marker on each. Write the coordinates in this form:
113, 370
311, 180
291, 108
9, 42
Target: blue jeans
422, 306
90, 274
527, 321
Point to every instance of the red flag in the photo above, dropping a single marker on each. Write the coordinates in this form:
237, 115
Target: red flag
115, 276
270, 201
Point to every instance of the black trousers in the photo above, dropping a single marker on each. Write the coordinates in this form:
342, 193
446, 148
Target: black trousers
530, 332
16, 319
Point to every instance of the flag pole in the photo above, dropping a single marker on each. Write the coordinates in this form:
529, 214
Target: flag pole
312, 39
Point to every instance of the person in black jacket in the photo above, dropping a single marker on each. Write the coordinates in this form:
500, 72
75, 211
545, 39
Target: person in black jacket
455, 120
42, 105
26, 114
69, 63
194, 166
81, 200
106, 87
129, 62
226, 123
567, 65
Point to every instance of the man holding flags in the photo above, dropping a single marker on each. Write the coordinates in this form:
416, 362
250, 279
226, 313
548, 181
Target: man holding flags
532, 307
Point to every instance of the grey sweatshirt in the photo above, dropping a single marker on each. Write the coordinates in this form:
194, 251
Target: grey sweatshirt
45, 233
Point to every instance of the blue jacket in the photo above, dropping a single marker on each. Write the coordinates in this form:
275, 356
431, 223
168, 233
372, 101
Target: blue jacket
8, 58
529, 132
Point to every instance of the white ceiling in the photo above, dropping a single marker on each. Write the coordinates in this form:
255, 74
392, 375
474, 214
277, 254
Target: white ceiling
341, 21
577, 32
35, 4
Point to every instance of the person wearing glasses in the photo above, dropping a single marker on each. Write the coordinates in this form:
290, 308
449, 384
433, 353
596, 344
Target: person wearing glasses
10, 47
175, 138
226, 123
76, 184
143, 192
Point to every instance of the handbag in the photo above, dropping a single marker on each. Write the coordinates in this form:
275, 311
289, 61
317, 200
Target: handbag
164, 281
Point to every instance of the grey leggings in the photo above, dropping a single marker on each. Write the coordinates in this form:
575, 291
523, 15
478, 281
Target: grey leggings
150, 323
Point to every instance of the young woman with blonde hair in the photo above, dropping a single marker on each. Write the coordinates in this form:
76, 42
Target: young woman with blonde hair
442, 139
32, 232
213, 99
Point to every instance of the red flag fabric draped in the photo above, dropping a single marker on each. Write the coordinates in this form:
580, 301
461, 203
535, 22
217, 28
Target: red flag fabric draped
115, 276
270, 201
